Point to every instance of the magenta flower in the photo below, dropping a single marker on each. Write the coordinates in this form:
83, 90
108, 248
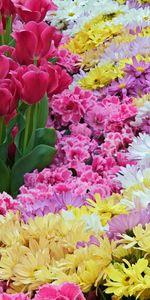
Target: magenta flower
137, 68
122, 85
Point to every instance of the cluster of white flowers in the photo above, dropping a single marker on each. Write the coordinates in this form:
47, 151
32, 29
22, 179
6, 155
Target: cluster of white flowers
132, 17
92, 221
140, 147
136, 179
143, 113
71, 16
76, 13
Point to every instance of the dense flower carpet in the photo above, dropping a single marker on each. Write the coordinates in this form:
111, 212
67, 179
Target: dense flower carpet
74, 149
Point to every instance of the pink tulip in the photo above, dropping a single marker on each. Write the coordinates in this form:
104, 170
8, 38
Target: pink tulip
34, 41
34, 10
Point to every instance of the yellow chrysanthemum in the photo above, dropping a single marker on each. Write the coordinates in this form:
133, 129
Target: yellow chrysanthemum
36, 258
39, 245
86, 266
41, 226
91, 58
9, 258
107, 208
140, 238
120, 252
145, 31
128, 280
98, 77
121, 1
94, 33
10, 229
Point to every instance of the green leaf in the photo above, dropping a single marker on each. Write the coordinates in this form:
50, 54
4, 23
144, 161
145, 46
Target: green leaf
42, 114
42, 136
46, 136
4, 177
20, 135
3, 139
38, 158
53, 60
4, 151
8, 37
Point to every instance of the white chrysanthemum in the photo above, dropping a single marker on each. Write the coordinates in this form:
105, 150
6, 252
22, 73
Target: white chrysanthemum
132, 16
66, 12
132, 175
93, 223
77, 13
67, 215
142, 113
140, 148
138, 200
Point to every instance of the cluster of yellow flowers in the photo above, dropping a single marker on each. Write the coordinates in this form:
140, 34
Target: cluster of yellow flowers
55, 249
94, 33
92, 41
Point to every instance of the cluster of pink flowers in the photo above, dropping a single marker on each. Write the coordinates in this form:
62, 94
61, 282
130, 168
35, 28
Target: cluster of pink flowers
66, 291
92, 140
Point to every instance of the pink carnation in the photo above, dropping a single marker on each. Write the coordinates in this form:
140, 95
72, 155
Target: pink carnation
71, 106
7, 203
69, 60
66, 291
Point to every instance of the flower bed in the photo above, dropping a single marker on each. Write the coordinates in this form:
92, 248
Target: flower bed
74, 149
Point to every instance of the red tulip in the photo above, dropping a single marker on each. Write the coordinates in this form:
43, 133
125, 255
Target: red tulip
1, 27
7, 7
8, 96
64, 79
33, 10
7, 50
59, 79
34, 41
4, 66
32, 83
12, 147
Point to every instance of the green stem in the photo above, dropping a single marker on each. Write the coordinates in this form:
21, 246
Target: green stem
101, 295
35, 112
8, 30
35, 61
27, 127
3, 38
2, 125
31, 124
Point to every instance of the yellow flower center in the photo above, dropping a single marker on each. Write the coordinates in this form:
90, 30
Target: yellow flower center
140, 69
122, 85
71, 14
